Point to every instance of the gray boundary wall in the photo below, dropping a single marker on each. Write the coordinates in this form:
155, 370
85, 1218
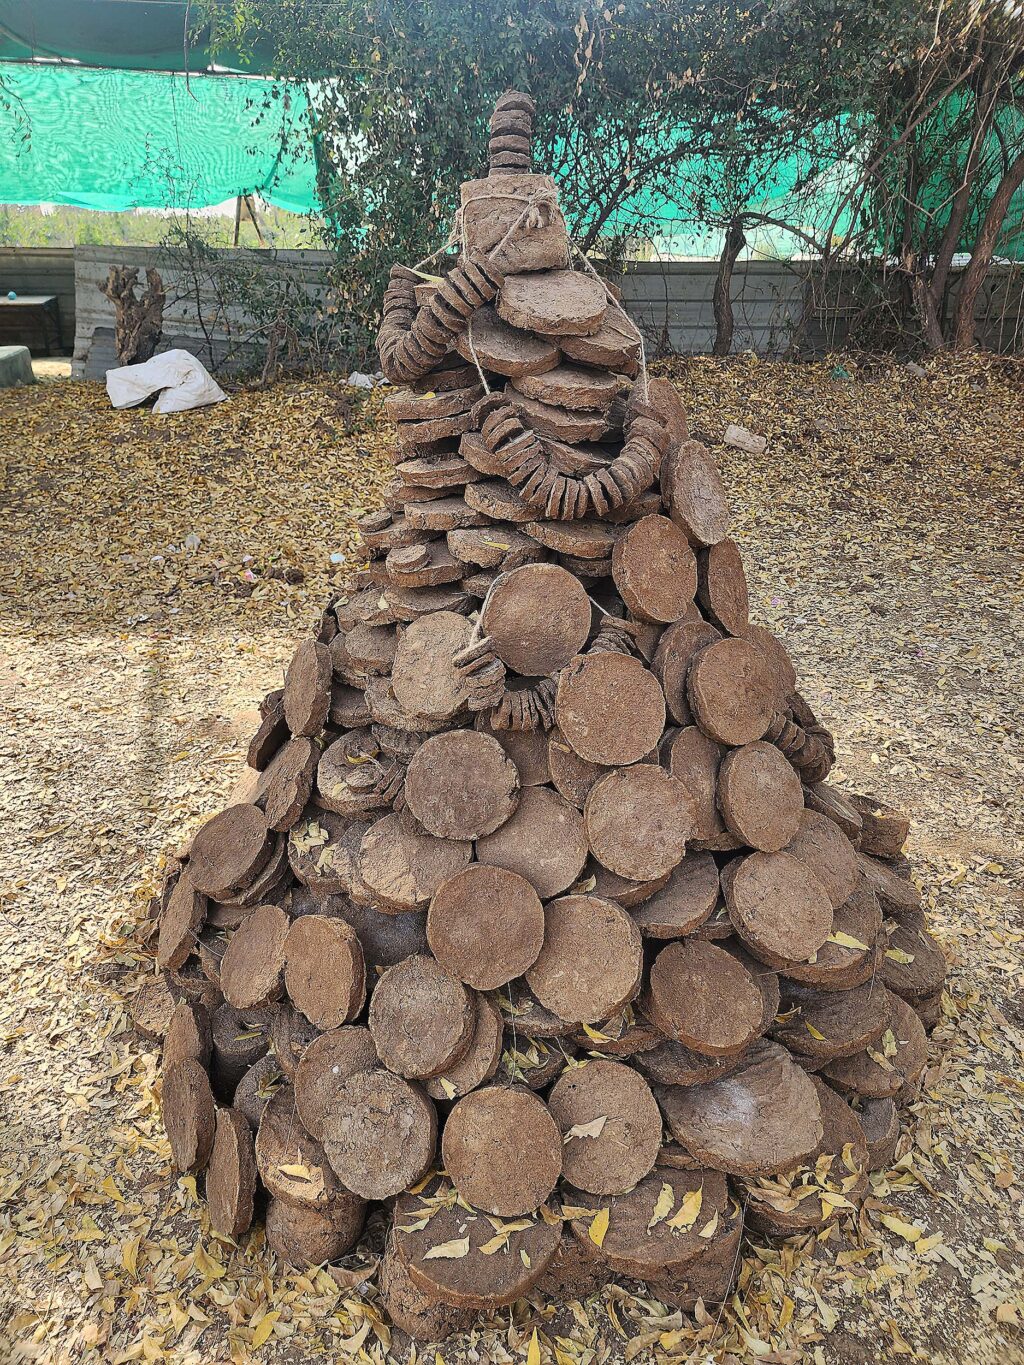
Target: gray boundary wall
777, 305
43, 270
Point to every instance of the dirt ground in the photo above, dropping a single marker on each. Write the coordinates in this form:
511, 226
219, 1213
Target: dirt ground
146, 607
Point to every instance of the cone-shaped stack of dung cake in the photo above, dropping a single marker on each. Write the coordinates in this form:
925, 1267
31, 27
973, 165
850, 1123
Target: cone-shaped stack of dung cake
539, 924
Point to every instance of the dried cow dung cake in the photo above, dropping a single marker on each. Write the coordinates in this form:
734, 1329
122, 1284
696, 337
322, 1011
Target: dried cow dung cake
252, 968
523, 1013
180, 923
290, 1034
528, 750
898, 896
417, 1314
676, 651
654, 1230
828, 800
610, 1125
479, 1062
571, 775
848, 956
684, 902
506, 350
503, 1150
463, 1275
231, 1175
671, 1063
654, 570
610, 708
637, 821
293, 1165
830, 1024
883, 830
239, 1041
591, 962
325, 973
543, 841
421, 1017
536, 617
695, 493
553, 302
326, 1062
896, 1063
229, 850
256, 1088
572, 387
704, 998
403, 868
694, 759
822, 846
486, 925
461, 785
189, 1035
880, 1121
379, 1133
189, 1114
321, 847
307, 688
722, 587
779, 908
761, 1119
730, 691
914, 966
286, 784
423, 678
760, 796
303, 1236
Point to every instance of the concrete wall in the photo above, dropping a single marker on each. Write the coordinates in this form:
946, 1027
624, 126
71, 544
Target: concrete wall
775, 304
43, 270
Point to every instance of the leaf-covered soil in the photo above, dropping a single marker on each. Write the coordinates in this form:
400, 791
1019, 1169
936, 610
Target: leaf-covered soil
156, 573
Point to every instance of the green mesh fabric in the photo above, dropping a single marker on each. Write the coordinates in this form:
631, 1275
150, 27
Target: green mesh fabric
104, 139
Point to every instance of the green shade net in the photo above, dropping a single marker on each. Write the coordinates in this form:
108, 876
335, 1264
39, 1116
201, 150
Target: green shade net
134, 139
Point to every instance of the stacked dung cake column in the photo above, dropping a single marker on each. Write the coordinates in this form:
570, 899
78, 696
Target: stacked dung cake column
539, 926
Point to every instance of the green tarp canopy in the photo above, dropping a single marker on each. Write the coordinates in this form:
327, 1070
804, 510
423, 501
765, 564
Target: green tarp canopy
144, 139
137, 35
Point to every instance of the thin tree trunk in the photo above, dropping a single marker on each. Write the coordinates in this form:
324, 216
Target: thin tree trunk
981, 257
735, 241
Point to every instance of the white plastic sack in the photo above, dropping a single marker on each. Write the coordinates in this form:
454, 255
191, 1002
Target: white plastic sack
185, 381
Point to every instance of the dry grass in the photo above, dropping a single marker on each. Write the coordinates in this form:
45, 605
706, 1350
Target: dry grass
882, 534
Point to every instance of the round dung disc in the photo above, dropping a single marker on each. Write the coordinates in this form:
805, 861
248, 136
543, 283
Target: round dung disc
610, 708
779, 908
592, 960
503, 1150
655, 570
638, 820
731, 691
486, 925
610, 1124
543, 841
704, 998
761, 796
461, 785
537, 617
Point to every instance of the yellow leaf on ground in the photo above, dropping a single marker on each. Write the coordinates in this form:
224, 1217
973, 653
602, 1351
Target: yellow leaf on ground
533, 1354
909, 1231
599, 1227
263, 1331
